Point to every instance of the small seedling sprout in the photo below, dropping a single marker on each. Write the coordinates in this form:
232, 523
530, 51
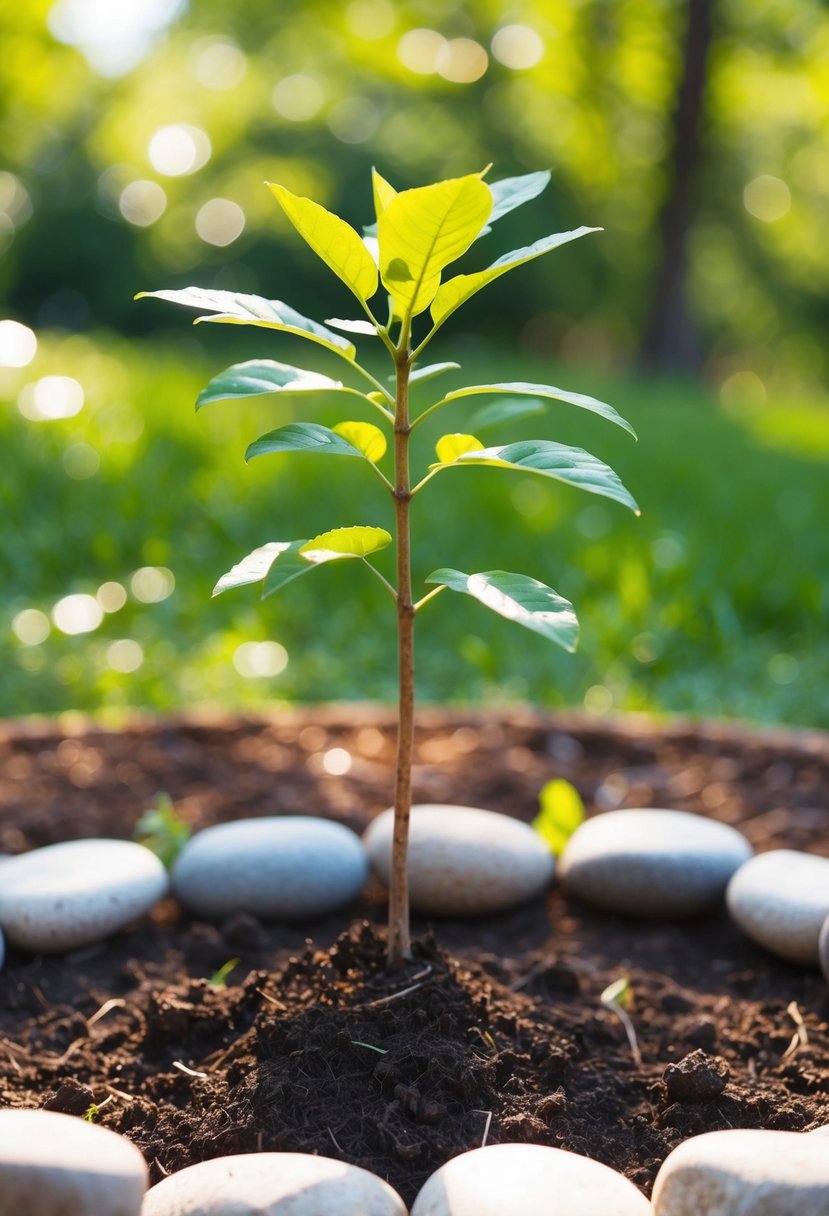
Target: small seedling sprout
615, 998
162, 830
562, 811
219, 978
418, 234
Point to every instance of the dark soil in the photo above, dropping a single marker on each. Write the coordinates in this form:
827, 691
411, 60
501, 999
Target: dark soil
496, 1031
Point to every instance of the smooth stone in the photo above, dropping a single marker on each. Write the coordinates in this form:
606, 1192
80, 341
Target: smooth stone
823, 949
651, 862
273, 1184
69, 895
2, 949
52, 1165
745, 1173
781, 900
282, 868
464, 861
527, 1180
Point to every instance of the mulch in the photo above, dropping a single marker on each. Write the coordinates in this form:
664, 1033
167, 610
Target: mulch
497, 1031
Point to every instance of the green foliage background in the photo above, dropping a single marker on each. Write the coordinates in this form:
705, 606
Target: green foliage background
716, 602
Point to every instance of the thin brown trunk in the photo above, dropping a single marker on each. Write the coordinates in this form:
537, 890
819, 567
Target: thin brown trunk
670, 339
400, 948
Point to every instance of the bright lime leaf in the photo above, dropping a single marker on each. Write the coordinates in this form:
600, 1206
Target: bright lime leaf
450, 447
573, 466
383, 192
518, 598
333, 240
508, 409
421, 231
259, 376
420, 374
511, 192
345, 542
454, 292
366, 437
543, 390
562, 811
302, 437
239, 309
352, 327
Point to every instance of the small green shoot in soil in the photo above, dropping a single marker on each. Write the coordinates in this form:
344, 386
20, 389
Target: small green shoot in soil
404, 256
562, 811
219, 978
617, 998
91, 1113
162, 830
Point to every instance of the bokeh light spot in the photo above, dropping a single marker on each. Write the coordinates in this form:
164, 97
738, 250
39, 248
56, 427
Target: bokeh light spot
598, 700
111, 596
370, 19
77, 614
31, 627
218, 63
81, 461
354, 120
179, 149
336, 761
517, 47
298, 98
18, 344
462, 61
125, 655
420, 49
255, 660
152, 584
142, 203
220, 222
767, 198
783, 668
51, 398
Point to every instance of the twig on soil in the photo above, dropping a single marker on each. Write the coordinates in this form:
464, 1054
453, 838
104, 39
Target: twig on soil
611, 998
71, 1049
115, 1003
393, 996
190, 1072
119, 1093
488, 1114
800, 1037
271, 999
337, 1145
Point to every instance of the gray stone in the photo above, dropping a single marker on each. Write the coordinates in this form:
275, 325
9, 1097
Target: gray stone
2, 949
781, 900
527, 1180
53, 1165
273, 1184
651, 862
464, 861
69, 895
745, 1173
823, 948
282, 868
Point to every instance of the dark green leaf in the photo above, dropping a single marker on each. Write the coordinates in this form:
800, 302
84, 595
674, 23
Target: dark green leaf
543, 390
302, 437
259, 376
518, 598
508, 409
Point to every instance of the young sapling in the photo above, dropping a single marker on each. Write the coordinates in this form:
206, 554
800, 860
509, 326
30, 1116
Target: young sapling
418, 234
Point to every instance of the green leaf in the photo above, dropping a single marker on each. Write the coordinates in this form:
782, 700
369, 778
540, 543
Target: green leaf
421, 231
280, 562
302, 437
450, 447
457, 291
333, 240
366, 437
511, 192
508, 409
542, 390
382, 191
573, 466
352, 327
358, 541
518, 598
421, 374
562, 811
239, 309
259, 376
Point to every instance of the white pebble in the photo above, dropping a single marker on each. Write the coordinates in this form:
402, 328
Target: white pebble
273, 1184
69, 895
527, 1180
780, 900
281, 868
464, 861
745, 1173
53, 1165
2, 949
651, 862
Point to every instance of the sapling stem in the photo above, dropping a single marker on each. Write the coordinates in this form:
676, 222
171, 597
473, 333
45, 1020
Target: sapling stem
400, 945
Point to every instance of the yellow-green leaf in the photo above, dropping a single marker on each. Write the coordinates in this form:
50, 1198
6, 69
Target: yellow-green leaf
364, 436
450, 447
333, 240
421, 231
452, 294
383, 192
345, 542
562, 811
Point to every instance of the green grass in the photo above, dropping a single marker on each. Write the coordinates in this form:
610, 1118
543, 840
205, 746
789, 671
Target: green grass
714, 603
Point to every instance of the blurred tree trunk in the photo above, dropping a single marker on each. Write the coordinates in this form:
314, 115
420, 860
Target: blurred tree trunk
670, 339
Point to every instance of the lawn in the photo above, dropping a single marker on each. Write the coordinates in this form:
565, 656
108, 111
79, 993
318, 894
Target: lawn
714, 603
